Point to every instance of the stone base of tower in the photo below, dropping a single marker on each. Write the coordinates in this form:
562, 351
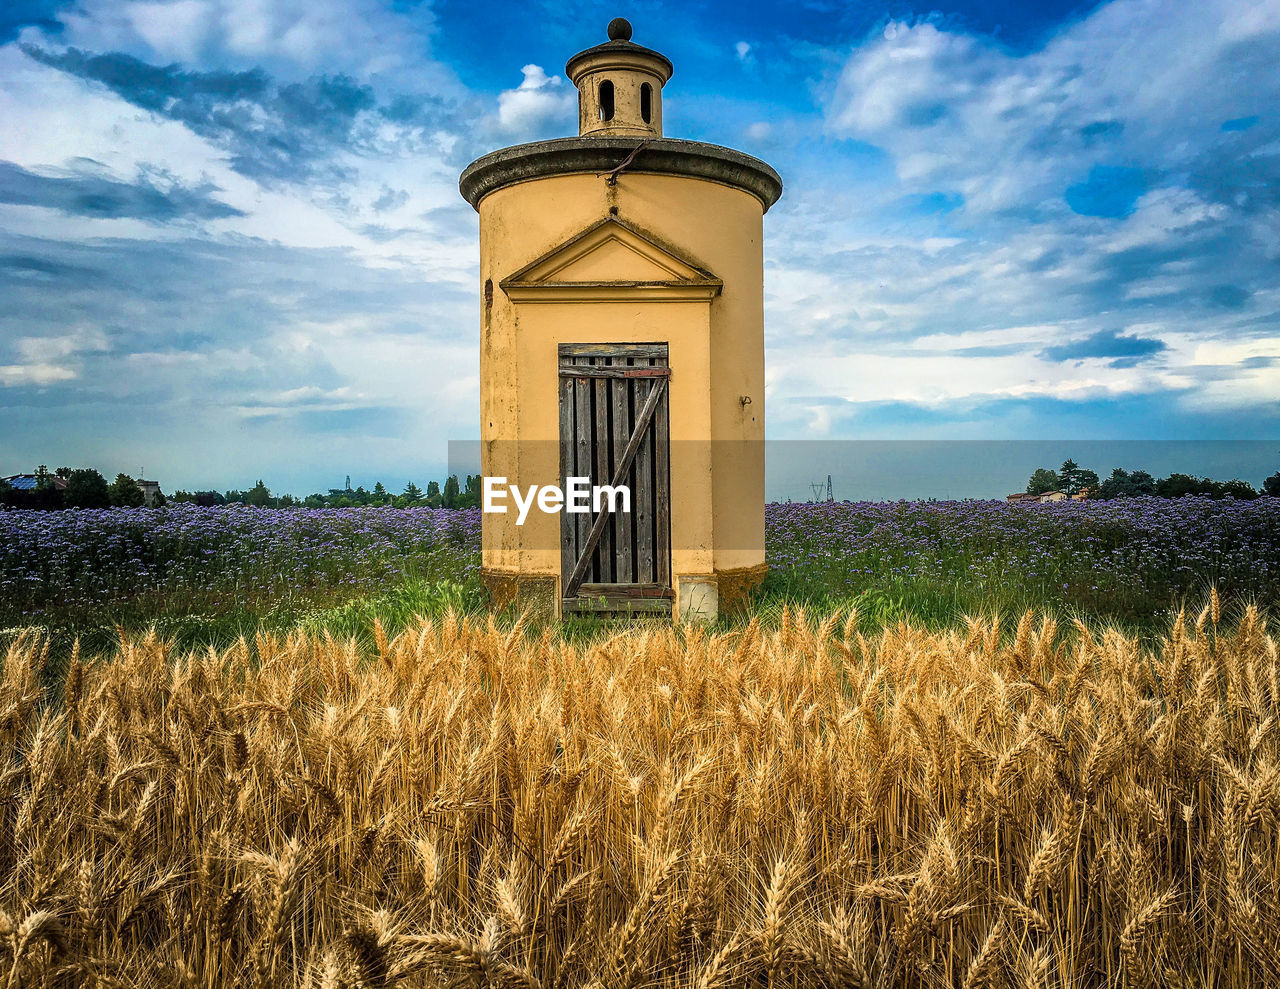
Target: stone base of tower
705, 597
536, 594
698, 597
737, 586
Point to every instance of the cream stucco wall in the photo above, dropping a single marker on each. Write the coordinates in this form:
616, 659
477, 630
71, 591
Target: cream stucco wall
716, 356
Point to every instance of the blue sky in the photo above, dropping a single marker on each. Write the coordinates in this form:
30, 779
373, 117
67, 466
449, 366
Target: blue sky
231, 243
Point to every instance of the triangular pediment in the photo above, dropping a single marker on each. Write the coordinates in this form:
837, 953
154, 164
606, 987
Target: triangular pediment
611, 260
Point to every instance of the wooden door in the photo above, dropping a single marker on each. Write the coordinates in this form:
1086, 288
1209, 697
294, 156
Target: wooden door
614, 428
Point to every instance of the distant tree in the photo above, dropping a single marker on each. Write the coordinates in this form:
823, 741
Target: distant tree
314, 501
1143, 483
286, 501
233, 497
1118, 485
63, 472
1125, 484
1075, 478
1042, 480
1271, 486
379, 494
361, 495
434, 498
1181, 485
259, 496
46, 495
412, 493
471, 494
1067, 472
451, 491
86, 488
1238, 489
125, 493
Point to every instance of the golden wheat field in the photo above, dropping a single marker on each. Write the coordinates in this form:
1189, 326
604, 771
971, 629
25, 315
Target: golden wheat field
801, 807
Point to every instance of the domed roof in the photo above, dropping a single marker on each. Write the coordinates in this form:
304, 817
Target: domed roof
621, 47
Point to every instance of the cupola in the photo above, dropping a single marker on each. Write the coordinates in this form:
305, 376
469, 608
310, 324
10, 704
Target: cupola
619, 86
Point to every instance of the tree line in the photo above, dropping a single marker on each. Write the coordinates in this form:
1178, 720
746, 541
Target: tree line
1072, 479
84, 487
451, 494
81, 487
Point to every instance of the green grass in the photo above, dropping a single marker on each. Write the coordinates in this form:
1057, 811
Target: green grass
191, 627
204, 578
938, 605
396, 609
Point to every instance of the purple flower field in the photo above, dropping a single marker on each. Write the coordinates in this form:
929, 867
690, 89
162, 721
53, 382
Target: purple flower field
1126, 556
1113, 557
76, 559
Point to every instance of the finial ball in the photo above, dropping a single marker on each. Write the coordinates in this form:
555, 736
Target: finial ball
619, 29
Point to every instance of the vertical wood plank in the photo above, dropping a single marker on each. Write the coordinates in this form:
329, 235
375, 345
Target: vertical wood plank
568, 528
662, 488
584, 433
622, 389
642, 493
600, 473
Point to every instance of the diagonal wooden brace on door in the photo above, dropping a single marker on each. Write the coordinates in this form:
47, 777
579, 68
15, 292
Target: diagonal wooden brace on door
619, 475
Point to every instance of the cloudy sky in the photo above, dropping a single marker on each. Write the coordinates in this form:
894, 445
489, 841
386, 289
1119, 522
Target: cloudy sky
232, 246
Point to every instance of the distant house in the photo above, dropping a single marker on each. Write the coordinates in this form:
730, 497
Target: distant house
28, 482
150, 491
1080, 496
1021, 497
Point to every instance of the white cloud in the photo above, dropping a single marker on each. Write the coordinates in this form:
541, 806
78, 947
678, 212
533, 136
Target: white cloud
52, 118
323, 313
34, 374
945, 280
1138, 81
364, 37
56, 122
47, 360
39, 350
539, 102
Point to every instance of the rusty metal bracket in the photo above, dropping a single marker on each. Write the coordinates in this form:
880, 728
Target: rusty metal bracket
611, 178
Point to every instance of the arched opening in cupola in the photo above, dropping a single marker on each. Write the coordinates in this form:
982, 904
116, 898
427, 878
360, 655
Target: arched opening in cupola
606, 100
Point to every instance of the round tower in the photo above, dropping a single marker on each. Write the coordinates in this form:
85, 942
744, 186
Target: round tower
622, 347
